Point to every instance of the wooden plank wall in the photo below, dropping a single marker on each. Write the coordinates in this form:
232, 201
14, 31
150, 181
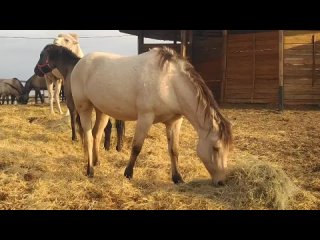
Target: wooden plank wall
207, 60
302, 67
252, 74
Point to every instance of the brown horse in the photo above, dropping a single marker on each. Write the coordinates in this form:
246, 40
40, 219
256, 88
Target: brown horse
36, 83
64, 60
11, 87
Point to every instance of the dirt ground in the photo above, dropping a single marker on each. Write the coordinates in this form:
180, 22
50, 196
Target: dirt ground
40, 167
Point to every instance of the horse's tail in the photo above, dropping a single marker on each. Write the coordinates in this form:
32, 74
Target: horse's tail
80, 129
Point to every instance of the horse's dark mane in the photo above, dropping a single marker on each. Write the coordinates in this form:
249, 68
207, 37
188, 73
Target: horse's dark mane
63, 52
204, 94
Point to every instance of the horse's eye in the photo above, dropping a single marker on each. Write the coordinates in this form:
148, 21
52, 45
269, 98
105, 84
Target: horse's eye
67, 40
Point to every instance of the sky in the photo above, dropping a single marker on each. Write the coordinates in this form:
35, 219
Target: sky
18, 56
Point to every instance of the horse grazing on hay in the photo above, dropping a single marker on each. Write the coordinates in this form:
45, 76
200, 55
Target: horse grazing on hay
64, 60
157, 86
36, 83
11, 87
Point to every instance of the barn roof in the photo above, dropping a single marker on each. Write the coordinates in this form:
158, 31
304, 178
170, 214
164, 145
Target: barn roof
175, 34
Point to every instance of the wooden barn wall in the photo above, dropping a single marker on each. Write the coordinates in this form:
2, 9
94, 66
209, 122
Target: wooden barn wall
252, 74
207, 60
302, 67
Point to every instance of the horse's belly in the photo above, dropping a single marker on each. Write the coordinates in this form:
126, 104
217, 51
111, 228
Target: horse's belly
122, 110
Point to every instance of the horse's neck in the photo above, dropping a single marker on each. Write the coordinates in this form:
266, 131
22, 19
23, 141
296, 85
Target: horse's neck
197, 118
193, 111
79, 53
27, 87
65, 68
77, 50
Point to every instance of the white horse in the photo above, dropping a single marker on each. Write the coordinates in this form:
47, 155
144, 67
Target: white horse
55, 78
157, 86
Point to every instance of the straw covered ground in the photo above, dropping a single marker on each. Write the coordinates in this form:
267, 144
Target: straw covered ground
274, 164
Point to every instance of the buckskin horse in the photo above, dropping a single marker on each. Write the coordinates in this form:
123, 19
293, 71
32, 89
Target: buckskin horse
154, 87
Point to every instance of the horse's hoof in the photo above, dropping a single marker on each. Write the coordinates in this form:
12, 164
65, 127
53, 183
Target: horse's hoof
177, 179
107, 147
128, 172
118, 148
90, 172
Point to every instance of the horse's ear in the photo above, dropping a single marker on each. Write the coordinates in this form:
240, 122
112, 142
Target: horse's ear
75, 36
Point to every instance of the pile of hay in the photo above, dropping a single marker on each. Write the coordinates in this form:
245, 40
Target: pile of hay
261, 184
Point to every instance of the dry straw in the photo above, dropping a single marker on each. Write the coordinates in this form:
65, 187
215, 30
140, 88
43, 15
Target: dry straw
40, 167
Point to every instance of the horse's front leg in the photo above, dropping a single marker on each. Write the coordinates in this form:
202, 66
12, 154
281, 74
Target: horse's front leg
85, 119
144, 123
50, 92
173, 130
100, 124
57, 94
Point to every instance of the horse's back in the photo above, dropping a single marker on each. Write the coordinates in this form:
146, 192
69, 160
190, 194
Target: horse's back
15, 83
121, 86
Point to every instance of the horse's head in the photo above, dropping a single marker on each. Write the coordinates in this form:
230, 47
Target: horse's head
24, 98
43, 65
66, 40
213, 149
69, 41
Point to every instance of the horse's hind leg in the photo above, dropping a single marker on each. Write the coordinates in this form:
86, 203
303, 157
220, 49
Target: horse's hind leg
57, 94
107, 135
85, 119
120, 125
173, 130
100, 124
144, 123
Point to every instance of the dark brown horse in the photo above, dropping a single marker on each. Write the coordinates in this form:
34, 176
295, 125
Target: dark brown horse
64, 60
37, 83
